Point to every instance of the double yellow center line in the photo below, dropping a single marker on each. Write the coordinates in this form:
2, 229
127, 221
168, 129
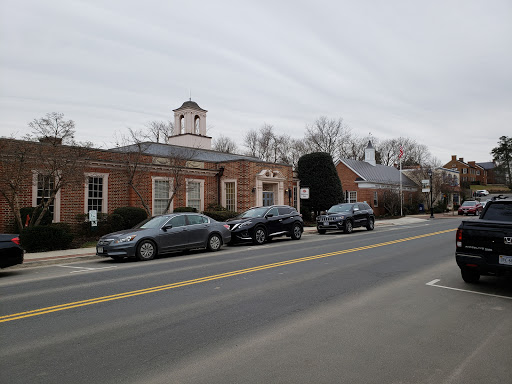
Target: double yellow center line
124, 295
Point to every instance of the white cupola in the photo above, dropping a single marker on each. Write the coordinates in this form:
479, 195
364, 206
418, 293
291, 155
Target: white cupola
190, 127
369, 154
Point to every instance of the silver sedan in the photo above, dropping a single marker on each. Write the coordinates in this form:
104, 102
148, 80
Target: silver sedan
163, 234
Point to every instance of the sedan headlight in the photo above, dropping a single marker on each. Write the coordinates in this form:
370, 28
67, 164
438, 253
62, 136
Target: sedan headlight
125, 239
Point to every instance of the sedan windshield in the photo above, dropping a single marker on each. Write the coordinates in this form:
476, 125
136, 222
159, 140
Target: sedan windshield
153, 222
340, 208
255, 212
469, 203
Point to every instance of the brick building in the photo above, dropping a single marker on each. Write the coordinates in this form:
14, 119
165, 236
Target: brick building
470, 172
196, 174
367, 181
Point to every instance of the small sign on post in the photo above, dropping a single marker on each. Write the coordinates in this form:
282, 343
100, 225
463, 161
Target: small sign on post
425, 185
93, 219
304, 193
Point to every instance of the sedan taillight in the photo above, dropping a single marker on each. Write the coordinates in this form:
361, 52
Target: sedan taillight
16, 240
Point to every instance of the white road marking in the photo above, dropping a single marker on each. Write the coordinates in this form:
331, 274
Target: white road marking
85, 269
433, 284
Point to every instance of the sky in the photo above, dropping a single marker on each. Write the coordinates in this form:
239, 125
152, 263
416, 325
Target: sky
438, 72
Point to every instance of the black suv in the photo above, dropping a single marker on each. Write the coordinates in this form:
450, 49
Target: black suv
260, 224
346, 217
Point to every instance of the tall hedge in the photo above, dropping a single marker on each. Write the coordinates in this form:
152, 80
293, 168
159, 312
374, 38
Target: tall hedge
46, 237
317, 171
131, 216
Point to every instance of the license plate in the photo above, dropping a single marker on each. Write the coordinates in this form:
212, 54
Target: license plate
507, 260
100, 249
326, 224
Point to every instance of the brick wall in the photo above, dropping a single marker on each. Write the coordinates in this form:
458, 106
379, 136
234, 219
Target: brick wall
120, 194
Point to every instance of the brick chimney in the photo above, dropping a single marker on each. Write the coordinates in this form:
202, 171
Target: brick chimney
461, 159
454, 157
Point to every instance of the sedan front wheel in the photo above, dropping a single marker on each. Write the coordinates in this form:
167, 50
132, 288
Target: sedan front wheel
146, 250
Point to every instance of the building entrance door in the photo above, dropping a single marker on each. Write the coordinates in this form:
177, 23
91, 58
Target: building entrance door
268, 198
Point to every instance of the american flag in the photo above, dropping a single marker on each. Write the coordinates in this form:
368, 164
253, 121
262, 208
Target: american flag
401, 152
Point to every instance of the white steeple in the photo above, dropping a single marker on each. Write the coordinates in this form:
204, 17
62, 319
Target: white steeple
190, 127
369, 154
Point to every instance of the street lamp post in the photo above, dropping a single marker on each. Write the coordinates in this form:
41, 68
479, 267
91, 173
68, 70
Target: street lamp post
431, 196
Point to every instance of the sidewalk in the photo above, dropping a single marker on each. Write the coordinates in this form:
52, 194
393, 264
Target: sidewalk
90, 253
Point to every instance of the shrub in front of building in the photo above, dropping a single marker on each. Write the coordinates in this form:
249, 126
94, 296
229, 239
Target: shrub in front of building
219, 213
185, 209
131, 216
44, 238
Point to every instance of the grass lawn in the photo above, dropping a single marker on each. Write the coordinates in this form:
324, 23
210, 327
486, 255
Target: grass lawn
493, 188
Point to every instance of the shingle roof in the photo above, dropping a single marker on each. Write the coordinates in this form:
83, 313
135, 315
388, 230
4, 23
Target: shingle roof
190, 104
379, 173
195, 154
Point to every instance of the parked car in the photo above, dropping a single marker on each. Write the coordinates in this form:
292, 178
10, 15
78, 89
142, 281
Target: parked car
261, 224
346, 217
484, 246
470, 207
11, 252
481, 192
163, 234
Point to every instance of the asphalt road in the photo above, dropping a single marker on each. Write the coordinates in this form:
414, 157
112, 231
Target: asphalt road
386, 306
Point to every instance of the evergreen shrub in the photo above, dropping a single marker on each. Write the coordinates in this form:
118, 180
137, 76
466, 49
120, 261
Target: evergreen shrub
43, 238
131, 216
185, 209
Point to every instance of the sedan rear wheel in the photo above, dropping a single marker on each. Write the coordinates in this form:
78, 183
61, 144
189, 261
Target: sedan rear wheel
260, 236
146, 250
214, 243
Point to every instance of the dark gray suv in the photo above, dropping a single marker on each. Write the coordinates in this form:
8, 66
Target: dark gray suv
346, 217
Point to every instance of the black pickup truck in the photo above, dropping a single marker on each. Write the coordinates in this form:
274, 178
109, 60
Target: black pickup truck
484, 246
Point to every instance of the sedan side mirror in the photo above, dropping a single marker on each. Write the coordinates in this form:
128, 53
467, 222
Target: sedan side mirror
166, 227
270, 215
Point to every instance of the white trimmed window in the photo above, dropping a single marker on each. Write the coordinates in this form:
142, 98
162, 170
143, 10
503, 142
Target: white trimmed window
41, 190
375, 199
96, 192
464, 170
229, 195
161, 194
195, 194
350, 196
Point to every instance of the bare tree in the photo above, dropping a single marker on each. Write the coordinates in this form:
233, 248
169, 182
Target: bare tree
55, 157
159, 131
224, 144
133, 150
327, 135
413, 152
133, 160
353, 147
15, 169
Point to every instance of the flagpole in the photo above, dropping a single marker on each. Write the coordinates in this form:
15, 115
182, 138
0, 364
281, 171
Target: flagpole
401, 193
